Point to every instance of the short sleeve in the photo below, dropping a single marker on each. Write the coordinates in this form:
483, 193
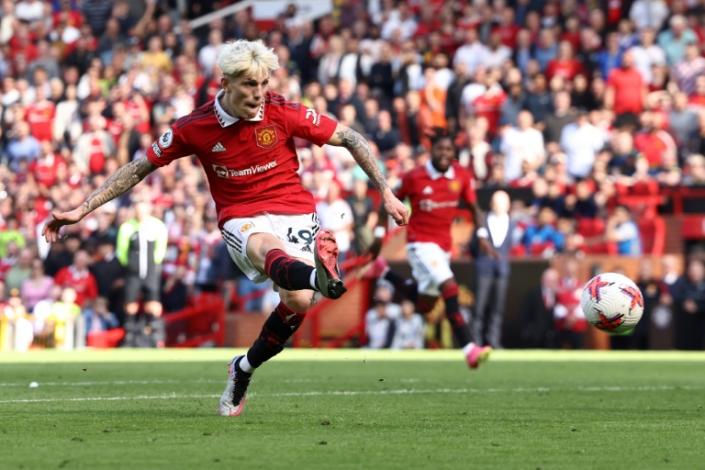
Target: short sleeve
309, 124
169, 146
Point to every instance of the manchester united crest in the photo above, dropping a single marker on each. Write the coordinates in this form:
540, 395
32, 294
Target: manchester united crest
454, 186
266, 137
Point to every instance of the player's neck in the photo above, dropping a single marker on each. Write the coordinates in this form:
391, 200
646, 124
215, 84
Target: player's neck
226, 107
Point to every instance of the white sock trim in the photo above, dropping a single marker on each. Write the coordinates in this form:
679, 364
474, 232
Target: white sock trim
466, 348
312, 280
245, 365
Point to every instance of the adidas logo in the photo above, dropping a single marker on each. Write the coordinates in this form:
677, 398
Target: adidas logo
218, 148
427, 190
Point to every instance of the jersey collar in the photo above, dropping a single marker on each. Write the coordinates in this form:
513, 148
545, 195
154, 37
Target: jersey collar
435, 174
225, 119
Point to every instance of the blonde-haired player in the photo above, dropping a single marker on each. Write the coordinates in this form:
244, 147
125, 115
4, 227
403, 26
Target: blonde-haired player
244, 140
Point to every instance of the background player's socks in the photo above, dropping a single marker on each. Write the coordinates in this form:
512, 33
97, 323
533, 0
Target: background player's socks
287, 272
278, 328
457, 322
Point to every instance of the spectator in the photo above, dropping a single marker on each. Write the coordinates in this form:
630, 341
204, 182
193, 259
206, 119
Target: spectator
649, 14
380, 319
22, 149
11, 234
537, 312
408, 328
689, 68
98, 319
109, 275
568, 316
19, 272
581, 141
79, 279
683, 120
689, 305
335, 215
675, 39
472, 53
365, 217
562, 116
542, 236
647, 54
626, 91
695, 171
493, 271
36, 287
622, 230
521, 143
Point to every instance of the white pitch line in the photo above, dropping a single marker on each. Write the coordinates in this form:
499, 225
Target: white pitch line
153, 382
403, 391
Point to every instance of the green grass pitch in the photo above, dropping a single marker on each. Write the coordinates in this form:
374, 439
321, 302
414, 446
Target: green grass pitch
326, 409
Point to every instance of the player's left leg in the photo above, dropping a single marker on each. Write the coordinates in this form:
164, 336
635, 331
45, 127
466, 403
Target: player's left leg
276, 331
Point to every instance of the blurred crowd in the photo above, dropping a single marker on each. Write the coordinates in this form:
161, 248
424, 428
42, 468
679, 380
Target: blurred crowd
577, 104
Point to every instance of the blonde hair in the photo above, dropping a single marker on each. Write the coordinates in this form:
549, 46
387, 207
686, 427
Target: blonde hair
251, 57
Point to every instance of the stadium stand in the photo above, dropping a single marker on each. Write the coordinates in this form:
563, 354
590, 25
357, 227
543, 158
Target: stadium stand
541, 98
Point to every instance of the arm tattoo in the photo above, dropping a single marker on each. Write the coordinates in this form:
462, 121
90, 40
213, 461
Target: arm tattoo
360, 150
118, 183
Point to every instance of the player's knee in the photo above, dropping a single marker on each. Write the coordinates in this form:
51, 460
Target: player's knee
299, 301
131, 308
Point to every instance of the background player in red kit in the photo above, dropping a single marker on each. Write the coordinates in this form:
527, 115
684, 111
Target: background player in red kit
244, 140
435, 191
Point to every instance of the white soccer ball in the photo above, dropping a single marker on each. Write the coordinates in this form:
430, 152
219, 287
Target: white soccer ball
612, 303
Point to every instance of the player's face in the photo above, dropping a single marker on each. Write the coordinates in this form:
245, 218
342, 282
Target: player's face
443, 154
244, 94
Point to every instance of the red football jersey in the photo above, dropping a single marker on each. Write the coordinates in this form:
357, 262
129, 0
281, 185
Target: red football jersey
252, 164
434, 200
83, 283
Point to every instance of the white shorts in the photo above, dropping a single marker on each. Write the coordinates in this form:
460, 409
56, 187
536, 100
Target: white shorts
297, 232
430, 266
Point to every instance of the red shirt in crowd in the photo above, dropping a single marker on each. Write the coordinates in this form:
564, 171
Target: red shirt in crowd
567, 69
251, 164
40, 116
434, 200
46, 169
83, 282
628, 86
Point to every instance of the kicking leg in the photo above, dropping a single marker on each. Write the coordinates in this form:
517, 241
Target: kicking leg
268, 254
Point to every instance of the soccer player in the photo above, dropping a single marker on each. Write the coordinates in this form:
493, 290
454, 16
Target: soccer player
435, 191
244, 140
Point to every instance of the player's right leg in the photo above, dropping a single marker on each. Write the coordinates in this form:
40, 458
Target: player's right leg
430, 266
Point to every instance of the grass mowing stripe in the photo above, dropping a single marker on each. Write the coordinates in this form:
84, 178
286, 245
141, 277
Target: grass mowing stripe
353, 393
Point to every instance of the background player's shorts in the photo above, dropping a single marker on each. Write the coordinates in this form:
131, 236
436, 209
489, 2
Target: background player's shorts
430, 266
297, 232
148, 286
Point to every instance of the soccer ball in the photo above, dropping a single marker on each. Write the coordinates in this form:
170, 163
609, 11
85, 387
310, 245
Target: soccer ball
612, 303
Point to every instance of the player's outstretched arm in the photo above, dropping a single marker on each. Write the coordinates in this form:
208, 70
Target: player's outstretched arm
118, 183
360, 150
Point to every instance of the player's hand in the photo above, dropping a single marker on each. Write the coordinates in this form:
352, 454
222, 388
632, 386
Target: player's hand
395, 208
58, 220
